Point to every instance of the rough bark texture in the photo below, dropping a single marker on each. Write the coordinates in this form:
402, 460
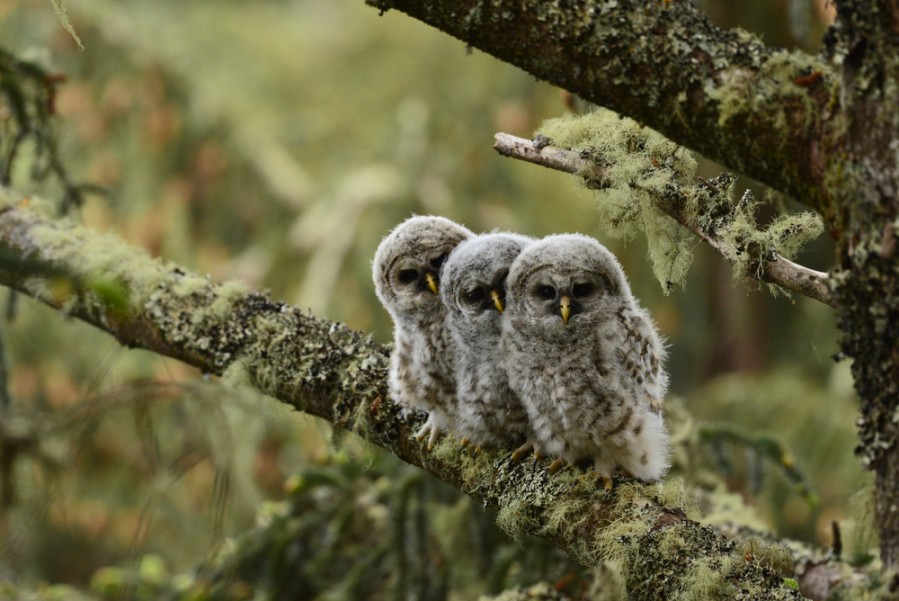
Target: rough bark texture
338, 374
867, 184
760, 111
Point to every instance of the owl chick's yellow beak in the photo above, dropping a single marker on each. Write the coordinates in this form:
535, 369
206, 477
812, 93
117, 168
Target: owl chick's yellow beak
497, 300
565, 307
432, 282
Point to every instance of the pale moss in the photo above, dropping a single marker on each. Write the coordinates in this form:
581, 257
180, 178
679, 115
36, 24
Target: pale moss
742, 91
225, 295
723, 507
789, 233
671, 542
640, 168
563, 517
237, 376
56, 290
637, 164
631, 521
513, 517
34, 204
771, 555
706, 579
96, 256
190, 284
671, 493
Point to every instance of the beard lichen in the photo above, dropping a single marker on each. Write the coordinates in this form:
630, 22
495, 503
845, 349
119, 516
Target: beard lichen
637, 164
634, 170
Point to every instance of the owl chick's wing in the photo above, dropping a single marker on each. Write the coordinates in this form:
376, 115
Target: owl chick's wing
643, 355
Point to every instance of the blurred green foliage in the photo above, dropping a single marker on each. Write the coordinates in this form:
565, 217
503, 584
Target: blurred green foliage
277, 142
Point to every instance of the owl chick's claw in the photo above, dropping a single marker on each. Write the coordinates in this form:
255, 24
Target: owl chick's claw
556, 465
430, 430
522, 451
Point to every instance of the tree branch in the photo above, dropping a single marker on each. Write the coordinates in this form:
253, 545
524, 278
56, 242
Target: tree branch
760, 111
773, 270
335, 373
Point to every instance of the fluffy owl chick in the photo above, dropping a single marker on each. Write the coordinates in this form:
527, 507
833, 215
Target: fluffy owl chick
585, 359
473, 290
406, 271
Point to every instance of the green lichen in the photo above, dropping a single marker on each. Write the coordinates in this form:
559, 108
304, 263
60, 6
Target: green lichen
635, 169
740, 91
770, 555
707, 579
513, 518
638, 164
745, 244
92, 256
237, 376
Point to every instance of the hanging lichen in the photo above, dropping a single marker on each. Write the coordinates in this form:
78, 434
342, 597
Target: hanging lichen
634, 169
635, 161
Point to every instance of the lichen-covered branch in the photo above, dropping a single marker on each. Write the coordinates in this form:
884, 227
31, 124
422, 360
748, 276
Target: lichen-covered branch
757, 110
773, 269
864, 42
333, 372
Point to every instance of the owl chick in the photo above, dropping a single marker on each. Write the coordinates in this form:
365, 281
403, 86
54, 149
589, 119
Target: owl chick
473, 290
406, 271
585, 359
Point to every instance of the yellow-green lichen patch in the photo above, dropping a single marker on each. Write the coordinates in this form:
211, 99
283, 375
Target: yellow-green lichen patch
637, 165
740, 91
513, 518
714, 206
237, 376
634, 169
706, 579
99, 258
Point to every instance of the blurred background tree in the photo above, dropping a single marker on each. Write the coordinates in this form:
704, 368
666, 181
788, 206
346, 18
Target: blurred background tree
277, 143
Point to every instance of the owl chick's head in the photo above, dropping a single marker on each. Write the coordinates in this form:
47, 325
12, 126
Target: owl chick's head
565, 279
407, 265
474, 281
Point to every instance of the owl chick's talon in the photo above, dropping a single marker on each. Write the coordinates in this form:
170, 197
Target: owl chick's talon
607, 482
522, 451
556, 465
432, 439
429, 430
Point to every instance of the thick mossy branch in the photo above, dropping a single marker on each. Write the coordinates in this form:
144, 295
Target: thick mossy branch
757, 110
335, 373
649, 176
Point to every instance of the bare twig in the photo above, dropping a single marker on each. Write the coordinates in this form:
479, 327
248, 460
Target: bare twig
772, 269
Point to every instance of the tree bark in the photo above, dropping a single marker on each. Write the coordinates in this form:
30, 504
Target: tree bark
866, 36
335, 373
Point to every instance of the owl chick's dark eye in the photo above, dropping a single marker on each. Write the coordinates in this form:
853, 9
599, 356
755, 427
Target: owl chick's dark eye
546, 292
436, 263
584, 289
474, 296
407, 276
